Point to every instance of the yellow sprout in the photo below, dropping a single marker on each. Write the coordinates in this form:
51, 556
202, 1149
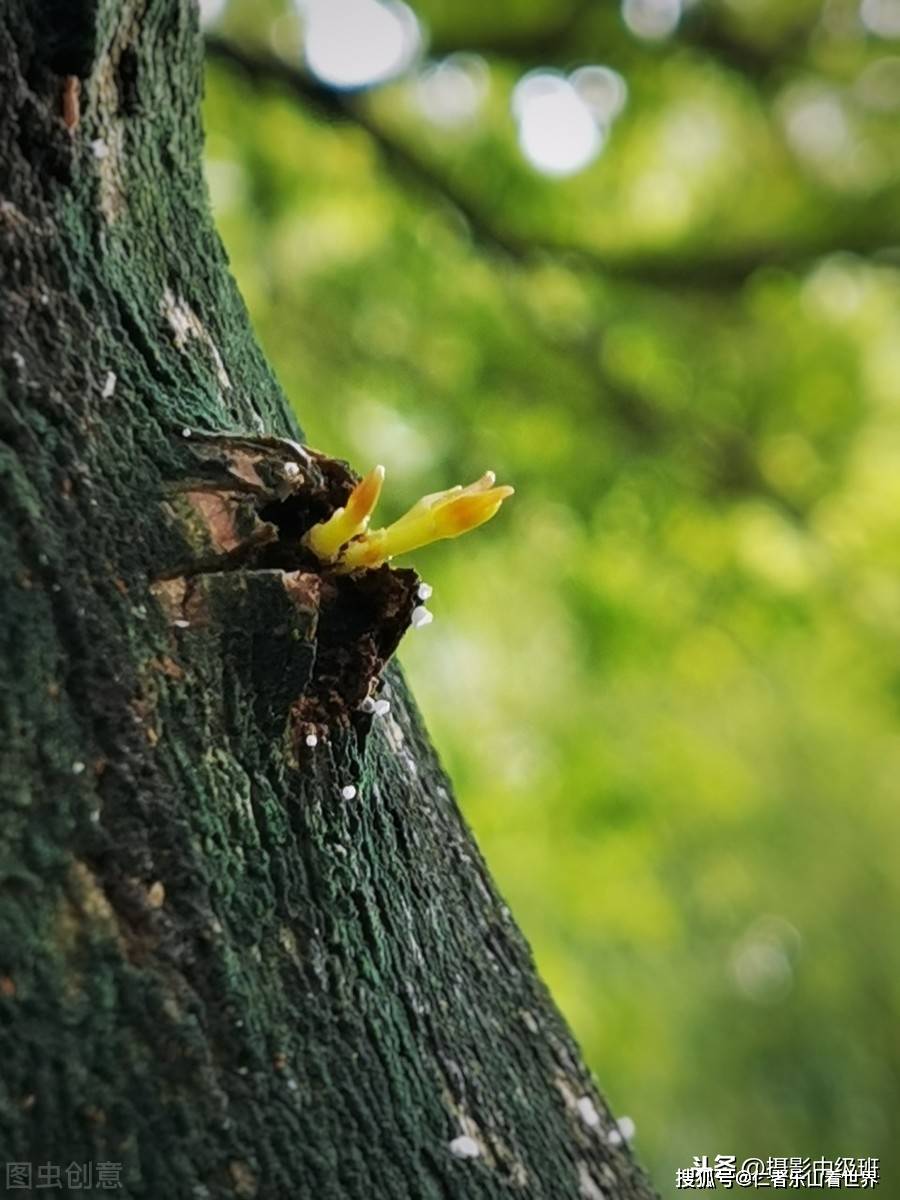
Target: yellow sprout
326, 538
345, 540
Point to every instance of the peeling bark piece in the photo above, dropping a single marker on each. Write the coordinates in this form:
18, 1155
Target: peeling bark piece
361, 621
239, 492
71, 102
270, 467
262, 632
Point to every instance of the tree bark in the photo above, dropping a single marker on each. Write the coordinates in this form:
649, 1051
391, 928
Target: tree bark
217, 967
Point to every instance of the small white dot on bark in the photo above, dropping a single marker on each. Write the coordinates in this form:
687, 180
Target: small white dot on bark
627, 1128
421, 616
348, 791
465, 1147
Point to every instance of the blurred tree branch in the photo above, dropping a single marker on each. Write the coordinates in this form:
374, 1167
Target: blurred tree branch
536, 46
713, 270
582, 33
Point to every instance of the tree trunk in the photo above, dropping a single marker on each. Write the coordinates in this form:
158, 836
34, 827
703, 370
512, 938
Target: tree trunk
221, 972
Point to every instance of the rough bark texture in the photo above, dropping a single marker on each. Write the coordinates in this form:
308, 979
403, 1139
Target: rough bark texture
214, 968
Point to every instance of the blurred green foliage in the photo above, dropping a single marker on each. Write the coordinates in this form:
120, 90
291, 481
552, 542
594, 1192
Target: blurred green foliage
666, 679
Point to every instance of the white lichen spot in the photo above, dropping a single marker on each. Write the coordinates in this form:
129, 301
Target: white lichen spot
421, 616
567, 1089
424, 591
588, 1188
368, 705
312, 740
348, 791
465, 1147
78, 768
623, 1131
185, 324
18, 361
587, 1111
186, 432
381, 708
112, 182
529, 1020
179, 315
104, 89
181, 623
409, 762
109, 385
291, 470
393, 732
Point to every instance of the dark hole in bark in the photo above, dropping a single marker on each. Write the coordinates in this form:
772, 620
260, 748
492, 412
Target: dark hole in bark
67, 35
362, 618
294, 515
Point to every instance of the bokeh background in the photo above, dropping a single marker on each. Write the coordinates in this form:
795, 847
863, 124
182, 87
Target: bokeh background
641, 259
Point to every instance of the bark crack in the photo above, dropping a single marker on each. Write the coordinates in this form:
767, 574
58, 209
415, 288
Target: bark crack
242, 508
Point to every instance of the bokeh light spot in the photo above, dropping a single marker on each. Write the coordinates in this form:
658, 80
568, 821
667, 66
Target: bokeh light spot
603, 90
211, 11
558, 133
651, 19
878, 87
450, 93
351, 44
881, 17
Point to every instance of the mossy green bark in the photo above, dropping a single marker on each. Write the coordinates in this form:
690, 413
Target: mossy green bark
214, 968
